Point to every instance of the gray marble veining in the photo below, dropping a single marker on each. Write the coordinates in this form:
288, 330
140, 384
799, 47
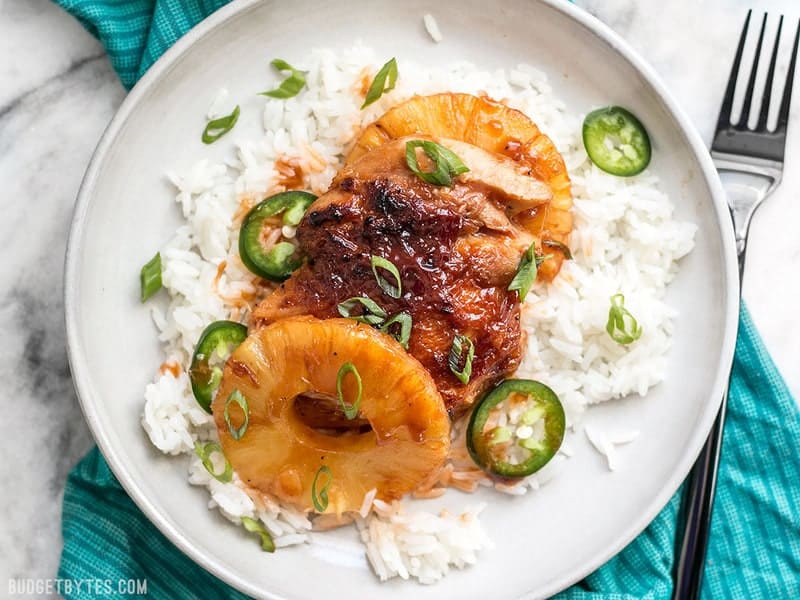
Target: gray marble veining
56, 96
57, 93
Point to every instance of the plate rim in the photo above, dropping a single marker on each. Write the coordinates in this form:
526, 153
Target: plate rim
81, 373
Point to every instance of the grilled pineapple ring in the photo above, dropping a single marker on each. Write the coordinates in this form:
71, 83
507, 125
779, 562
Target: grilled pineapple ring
280, 454
494, 127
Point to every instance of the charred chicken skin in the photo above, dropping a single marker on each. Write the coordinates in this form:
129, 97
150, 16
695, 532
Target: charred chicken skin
496, 128
456, 248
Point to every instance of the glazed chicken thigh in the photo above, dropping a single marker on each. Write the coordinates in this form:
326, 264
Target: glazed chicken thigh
456, 249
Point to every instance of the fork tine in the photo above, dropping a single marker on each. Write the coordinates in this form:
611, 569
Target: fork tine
765, 101
751, 83
783, 115
724, 119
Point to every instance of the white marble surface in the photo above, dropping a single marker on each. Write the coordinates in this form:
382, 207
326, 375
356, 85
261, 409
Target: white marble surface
57, 92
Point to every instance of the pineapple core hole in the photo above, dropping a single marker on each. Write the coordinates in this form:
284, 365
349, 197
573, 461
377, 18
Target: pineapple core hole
322, 413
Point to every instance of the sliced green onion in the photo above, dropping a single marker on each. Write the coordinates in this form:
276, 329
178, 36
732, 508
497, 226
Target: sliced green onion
320, 500
381, 263
559, 246
290, 86
237, 397
448, 165
253, 526
218, 127
454, 164
527, 271
455, 358
150, 277
372, 315
404, 319
204, 452
622, 326
350, 410
384, 81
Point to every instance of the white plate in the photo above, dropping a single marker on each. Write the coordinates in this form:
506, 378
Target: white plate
544, 541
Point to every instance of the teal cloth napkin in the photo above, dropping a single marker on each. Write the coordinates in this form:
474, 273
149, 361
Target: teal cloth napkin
754, 550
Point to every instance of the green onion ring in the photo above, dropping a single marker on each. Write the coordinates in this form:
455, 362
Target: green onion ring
218, 127
150, 277
350, 410
253, 526
373, 314
377, 262
320, 500
290, 86
622, 327
447, 163
383, 82
204, 452
526, 271
237, 397
405, 321
454, 358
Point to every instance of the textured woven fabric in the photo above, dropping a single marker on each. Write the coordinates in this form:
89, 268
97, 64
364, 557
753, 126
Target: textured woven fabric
754, 550
136, 32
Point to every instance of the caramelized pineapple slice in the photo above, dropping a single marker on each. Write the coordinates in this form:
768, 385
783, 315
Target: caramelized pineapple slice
494, 127
400, 435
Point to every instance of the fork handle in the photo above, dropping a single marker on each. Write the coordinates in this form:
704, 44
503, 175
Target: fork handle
694, 522
697, 507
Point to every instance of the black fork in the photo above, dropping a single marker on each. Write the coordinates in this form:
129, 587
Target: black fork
757, 155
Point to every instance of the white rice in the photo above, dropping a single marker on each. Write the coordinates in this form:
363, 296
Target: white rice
219, 106
422, 545
625, 240
432, 27
606, 443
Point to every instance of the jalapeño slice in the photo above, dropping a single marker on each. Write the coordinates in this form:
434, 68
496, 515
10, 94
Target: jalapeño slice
215, 345
616, 141
279, 261
516, 451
